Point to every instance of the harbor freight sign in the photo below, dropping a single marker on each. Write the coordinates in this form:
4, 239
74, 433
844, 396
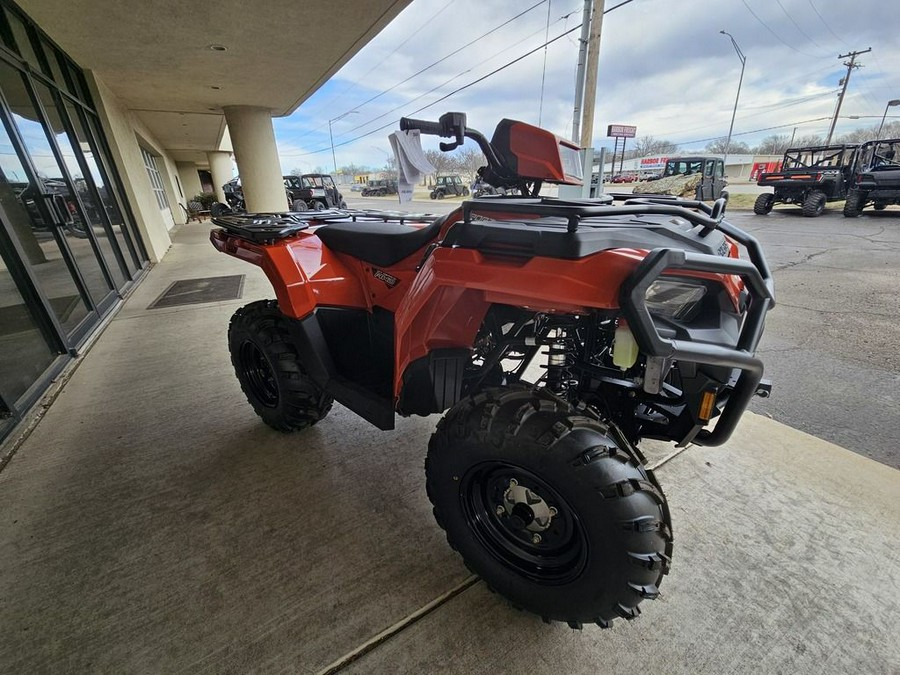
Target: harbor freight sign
620, 131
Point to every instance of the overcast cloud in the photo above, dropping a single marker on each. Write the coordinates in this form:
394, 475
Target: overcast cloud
664, 67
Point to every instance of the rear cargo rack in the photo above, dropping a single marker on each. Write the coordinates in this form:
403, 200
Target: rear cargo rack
265, 228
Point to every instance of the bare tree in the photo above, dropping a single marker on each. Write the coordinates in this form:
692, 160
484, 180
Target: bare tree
717, 147
859, 135
467, 161
807, 141
441, 161
645, 146
775, 144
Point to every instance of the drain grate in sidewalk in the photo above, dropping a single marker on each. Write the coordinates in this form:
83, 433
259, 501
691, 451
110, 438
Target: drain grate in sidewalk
196, 291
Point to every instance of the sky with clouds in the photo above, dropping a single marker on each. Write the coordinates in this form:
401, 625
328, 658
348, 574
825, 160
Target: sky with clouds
663, 67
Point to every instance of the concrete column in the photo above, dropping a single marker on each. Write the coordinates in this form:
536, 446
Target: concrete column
220, 170
190, 180
253, 139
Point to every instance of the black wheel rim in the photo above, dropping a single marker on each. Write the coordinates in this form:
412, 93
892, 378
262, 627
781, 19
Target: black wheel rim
559, 553
257, 374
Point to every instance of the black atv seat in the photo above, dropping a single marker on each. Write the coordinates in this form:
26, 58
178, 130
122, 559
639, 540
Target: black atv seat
380, 243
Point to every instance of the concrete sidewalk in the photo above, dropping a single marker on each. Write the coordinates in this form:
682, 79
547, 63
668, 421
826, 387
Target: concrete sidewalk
151, 523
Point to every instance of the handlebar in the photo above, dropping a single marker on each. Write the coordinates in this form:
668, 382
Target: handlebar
453, 125
426, 127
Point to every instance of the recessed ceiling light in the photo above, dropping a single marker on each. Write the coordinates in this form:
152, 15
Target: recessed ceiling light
217, 48
213, 86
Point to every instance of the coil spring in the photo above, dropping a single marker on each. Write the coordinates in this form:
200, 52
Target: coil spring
560, 359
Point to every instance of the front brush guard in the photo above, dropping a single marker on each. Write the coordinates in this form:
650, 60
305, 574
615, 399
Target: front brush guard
759, 283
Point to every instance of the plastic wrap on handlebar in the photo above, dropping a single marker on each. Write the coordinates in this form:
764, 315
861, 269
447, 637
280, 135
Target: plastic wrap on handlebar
426, 127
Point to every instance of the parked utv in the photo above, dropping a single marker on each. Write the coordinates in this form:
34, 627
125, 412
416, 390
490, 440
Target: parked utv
313, 191
876, 177
234, 194
641, 320
809, 177
380, 188
711, 170
449, 185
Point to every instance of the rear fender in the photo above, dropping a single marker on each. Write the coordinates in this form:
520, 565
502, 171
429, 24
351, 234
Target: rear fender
303, 273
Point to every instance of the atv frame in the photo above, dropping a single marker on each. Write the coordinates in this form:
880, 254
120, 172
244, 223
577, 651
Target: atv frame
640, 316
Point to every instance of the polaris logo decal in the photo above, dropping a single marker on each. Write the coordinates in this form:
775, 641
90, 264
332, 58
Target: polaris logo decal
391, 281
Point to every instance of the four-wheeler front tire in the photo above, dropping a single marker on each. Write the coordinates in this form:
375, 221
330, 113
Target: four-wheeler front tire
268, 368
552, 509
763, 204
432, 194
814, 204
299, 205
316, 205
853, 205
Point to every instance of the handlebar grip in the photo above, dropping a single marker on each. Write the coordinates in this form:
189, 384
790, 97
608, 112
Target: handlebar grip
426, 127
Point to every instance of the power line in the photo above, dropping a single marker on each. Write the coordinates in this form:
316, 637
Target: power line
446, 82
413, 33
778, 37
824, 23
442, 98
453, 53
797, 26
755, 131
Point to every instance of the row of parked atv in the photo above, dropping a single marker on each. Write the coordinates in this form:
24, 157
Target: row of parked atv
863, 175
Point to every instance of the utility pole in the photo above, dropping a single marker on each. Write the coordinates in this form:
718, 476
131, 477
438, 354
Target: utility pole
590, 85
851, 64
579, 73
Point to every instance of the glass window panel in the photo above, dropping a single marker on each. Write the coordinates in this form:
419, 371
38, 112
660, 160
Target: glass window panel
97, 208
67, 220
18, 199
25, 48
128, 228
55, 70
24, 352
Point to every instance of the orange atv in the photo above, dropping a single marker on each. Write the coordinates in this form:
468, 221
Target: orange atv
553, 334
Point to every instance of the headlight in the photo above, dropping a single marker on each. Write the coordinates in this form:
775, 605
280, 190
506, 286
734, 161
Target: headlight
674, 299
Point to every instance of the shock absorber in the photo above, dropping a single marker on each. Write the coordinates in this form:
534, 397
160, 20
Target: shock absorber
560, 359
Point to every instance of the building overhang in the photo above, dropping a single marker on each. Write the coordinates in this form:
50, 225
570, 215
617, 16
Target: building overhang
164, 59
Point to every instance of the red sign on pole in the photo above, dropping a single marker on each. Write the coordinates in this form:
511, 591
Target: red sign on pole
620, 131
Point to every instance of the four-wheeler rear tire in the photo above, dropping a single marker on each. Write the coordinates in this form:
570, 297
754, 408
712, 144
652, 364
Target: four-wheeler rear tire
268, 367
551, 508
763, 204
853, 204
342, 205
316, 205
814, 204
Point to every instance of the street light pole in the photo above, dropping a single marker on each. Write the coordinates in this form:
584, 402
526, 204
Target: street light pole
331, 137
738, 96
881, 126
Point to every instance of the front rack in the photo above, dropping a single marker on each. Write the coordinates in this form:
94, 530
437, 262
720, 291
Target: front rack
574, 211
